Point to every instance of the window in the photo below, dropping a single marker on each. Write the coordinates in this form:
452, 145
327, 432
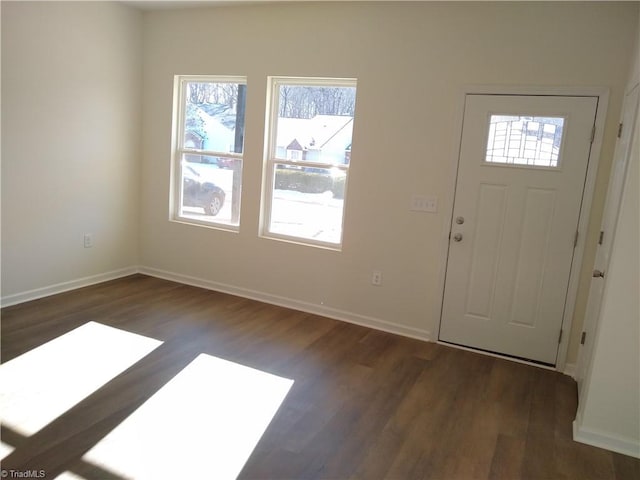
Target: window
294, 154
525, 141
308, 156
208, 150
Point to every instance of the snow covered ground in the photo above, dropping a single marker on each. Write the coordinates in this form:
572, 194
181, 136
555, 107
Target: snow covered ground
316, 216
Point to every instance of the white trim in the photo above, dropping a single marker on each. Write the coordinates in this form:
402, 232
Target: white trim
600, 439
448, 210
274, 82
617, 176
583, 226
602, 94
210, 153
570, 370
528, 90
178, 150
62, 287
322, 310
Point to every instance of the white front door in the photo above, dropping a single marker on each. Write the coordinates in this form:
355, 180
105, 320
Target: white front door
521, 175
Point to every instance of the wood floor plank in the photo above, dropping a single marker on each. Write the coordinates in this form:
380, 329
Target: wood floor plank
507, 458
364, 404
625, 466
541, 428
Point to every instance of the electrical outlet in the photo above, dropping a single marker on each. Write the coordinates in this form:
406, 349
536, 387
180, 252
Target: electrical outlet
376, 278
88, 240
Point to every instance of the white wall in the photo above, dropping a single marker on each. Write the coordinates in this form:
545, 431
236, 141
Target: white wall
71, 83
411, 61
70, 144
609, 412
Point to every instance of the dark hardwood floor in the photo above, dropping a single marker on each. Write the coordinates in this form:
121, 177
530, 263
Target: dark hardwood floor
365, 404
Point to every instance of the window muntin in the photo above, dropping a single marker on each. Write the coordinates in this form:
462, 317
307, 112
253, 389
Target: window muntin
209, 150
308, 157
521, 140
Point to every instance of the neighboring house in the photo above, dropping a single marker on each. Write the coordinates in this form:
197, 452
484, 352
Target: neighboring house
323, 138
193, 140
218, 137
212, 134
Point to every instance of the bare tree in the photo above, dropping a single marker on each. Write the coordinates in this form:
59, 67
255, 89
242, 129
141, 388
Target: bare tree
307, 102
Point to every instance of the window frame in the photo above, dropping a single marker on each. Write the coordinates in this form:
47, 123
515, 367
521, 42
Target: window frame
271, 159
178, 150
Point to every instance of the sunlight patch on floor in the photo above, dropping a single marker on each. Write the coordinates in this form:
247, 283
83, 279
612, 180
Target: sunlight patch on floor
69, 476
42, 384
5, 450
204, 423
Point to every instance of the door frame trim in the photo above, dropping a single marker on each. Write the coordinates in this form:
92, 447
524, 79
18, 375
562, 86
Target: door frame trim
602, 95
622, 156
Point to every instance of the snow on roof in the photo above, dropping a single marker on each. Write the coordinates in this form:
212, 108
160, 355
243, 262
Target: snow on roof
218, 136
311, 133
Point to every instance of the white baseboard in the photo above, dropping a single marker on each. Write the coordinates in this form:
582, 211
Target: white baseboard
570, 370
29, 295
322, 310
606, 440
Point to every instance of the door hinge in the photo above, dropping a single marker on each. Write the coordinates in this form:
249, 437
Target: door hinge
601, 238
620, 130
575, 240
560, 337
593, 133
583, 338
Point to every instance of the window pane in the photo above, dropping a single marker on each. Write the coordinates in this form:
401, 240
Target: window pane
211, 188
523, 140
315, 124
308, 203
214, 116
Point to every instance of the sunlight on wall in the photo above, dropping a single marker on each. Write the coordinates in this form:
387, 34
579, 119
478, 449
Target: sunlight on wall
42, 384
204, 423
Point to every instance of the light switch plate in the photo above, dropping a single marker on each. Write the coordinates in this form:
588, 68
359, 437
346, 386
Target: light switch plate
424, 203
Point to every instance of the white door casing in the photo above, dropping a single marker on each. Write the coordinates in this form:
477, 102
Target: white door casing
507, 277
621, 159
